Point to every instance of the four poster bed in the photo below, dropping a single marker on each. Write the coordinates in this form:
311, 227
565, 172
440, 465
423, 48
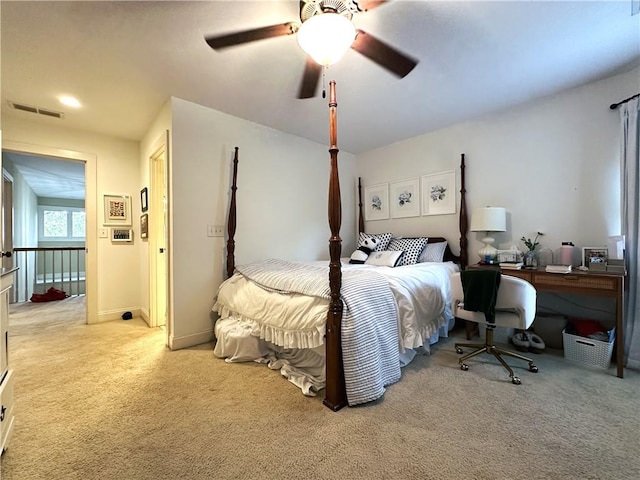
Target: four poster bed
352, 334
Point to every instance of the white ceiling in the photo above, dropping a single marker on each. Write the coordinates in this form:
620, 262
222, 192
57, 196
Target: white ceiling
50, 177
123, 60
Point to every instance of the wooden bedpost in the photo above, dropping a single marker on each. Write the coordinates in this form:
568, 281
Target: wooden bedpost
231, 220
335, 392
464, 259
360, 213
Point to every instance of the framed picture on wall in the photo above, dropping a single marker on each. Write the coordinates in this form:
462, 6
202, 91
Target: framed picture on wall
144, 199
144, 226
439, 193
376, 202
117, 210
404, 198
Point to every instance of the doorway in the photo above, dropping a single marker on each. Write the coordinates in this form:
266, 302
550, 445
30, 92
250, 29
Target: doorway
158, 221
86, 163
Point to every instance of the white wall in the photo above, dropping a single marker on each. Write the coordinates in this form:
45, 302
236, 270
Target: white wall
281, 199
25, 207
117, 173
553, 164
25, 228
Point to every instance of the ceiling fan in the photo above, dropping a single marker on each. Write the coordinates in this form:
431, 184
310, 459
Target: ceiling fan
342, 12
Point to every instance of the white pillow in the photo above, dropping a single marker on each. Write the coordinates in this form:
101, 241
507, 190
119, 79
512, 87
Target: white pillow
412, 248
384, 239
433, 252
388, 258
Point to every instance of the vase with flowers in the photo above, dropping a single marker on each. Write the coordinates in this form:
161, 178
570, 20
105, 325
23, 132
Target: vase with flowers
530, 256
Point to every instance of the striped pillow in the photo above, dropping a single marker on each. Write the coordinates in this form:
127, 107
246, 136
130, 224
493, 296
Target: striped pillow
433, 252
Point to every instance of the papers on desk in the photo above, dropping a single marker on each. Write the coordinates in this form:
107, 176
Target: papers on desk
558, 268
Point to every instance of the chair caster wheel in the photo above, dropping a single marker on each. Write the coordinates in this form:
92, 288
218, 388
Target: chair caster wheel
533, 368
464, 367
515, 380
459, 350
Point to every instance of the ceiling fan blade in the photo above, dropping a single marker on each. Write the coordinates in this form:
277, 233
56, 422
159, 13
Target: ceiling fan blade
229, 40
383, 54
310, 78
369, 5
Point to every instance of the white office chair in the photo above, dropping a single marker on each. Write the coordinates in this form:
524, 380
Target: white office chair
515, 308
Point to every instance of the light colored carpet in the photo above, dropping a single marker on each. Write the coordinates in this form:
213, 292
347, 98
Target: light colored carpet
109, 401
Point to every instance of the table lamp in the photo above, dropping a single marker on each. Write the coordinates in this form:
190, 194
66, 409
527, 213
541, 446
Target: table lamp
488, 219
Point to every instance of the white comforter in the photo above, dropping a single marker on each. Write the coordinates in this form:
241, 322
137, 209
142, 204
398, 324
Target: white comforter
279, 319
294, 320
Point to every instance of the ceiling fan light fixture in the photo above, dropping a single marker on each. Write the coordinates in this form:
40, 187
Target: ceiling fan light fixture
326, 37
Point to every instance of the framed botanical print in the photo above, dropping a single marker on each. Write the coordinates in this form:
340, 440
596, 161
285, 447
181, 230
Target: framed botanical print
376, 202
439, 193
404, 198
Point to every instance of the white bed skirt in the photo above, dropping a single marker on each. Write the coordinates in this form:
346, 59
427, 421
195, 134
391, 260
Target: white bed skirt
305, 368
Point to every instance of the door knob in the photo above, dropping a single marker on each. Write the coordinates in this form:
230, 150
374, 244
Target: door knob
7, 254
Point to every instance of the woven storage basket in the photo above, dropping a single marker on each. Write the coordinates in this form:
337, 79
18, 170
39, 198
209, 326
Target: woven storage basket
587, 350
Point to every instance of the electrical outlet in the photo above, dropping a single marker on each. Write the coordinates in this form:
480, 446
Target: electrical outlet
215, 230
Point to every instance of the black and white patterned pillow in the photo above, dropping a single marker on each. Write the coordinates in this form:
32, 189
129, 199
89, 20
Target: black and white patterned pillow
383, 240
433, 252
412, 248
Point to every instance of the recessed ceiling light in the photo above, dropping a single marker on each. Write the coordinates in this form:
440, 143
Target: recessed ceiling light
69, 101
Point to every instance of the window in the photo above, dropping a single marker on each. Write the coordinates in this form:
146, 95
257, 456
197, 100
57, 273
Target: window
61, 223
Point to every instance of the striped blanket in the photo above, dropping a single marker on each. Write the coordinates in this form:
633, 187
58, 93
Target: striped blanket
369, 321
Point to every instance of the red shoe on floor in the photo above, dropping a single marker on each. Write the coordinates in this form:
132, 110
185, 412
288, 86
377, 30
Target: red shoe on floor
50, 295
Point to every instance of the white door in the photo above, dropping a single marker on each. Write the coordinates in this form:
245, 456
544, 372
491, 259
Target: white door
158, 241
7, 220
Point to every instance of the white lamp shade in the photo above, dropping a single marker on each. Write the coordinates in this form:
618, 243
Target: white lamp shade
326, 37
489, 219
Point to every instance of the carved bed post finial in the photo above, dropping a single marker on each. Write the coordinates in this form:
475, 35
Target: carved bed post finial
231, 221
464, 259
335, 392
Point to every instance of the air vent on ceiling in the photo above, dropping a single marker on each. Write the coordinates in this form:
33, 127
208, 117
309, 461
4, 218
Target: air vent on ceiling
42, 111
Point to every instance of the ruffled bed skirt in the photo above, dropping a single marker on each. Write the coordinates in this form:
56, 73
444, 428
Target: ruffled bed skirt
236, 342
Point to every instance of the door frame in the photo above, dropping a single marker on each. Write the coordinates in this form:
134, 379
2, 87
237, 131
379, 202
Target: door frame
6, 237
90, 206
159, 229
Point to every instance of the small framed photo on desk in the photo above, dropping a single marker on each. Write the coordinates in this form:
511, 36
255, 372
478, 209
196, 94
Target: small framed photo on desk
595, 258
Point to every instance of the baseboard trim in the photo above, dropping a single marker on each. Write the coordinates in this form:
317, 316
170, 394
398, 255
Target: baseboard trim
110, 315
177, 343
144, 314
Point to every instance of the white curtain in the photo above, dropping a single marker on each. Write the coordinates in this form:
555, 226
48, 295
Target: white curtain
630, 171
